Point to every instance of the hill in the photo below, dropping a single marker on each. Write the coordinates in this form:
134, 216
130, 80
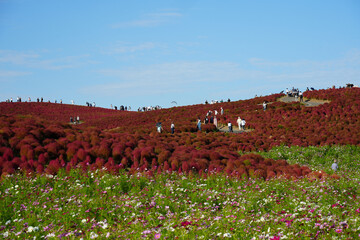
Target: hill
38, 136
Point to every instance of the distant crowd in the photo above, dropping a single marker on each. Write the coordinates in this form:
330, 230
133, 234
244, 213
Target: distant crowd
19, 99
216, 101
146, 109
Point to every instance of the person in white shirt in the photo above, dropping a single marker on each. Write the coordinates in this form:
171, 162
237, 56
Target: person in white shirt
334, 166
238, 121
230, 126
243, 122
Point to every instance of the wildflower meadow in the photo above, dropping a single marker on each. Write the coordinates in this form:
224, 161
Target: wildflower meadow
112, 176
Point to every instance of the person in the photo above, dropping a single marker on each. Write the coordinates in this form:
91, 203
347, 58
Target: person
29, 99
230, 126
42, 99
172, 128
11, 100
199, 124
238, 121
301, 96
334, 166
216, 112
243, 122
222, 111
215, 121
72, 102
287, 92
78, 119
71, 120
264, 105
158, 126
206, 121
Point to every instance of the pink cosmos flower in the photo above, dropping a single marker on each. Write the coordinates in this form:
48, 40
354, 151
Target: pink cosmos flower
275, 238
157, 236
339, 230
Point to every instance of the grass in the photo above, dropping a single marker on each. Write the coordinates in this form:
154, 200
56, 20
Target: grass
76, 205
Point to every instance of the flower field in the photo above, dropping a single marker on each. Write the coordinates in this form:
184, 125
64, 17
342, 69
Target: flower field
96, 204
113, 176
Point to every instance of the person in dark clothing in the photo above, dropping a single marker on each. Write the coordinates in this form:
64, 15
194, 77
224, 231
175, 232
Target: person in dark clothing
172, 128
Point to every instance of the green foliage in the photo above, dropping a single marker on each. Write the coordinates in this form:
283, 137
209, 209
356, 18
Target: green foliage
319, 158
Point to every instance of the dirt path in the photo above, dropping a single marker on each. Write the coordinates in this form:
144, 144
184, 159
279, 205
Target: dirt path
225, 128
307, 102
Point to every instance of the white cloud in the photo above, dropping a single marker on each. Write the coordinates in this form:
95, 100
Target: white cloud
149, 20
18, 58
123, 47
212, 78
8, 74
170, 77
35, 60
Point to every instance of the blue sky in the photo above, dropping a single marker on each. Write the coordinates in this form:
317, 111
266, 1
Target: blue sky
147, 53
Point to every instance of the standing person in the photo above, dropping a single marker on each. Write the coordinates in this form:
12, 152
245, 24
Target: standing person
158, 126
301, 96
172, 127
215, 121
78, 119
29, 99
199, 124
216, 112
334, 166
238, 121
264, 105
72, 102
206, 121
222, 111
230, 126
71, 120
243, 122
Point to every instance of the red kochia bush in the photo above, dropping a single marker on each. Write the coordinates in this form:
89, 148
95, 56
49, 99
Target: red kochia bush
53, 167
43, 134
